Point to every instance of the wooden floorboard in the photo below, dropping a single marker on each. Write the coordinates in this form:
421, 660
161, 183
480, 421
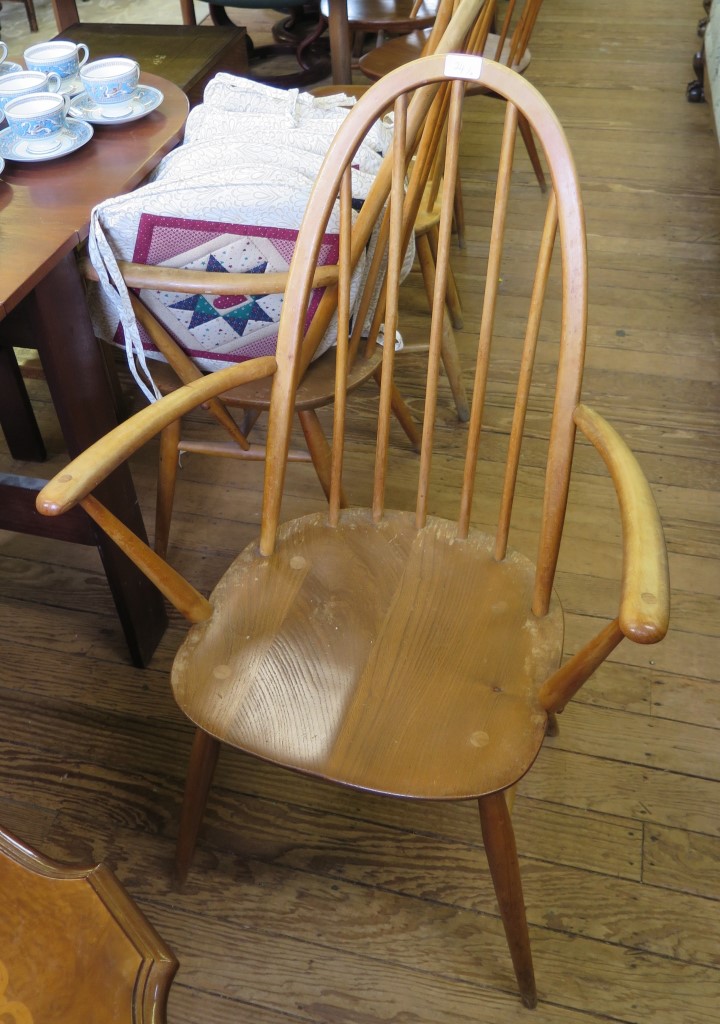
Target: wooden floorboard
311, 905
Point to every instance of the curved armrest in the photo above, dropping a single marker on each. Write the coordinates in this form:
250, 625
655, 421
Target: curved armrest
85, 472
208, 282
645, 601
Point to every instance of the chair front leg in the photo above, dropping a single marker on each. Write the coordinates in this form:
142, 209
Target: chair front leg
203, 758
501, 852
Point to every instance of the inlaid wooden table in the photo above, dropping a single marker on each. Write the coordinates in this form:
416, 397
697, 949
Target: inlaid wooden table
74, 948
44, 215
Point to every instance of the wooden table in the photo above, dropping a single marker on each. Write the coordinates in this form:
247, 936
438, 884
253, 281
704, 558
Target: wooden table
74, 947
187, 55
338, 29
44, 215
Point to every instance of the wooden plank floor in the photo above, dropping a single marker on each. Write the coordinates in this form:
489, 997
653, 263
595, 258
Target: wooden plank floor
309, 904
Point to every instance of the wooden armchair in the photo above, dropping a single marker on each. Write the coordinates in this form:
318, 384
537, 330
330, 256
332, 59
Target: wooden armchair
409, 652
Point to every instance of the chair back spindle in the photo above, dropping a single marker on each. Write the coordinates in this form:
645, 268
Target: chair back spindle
395, 256
562, 218
343, 344
525, 377
438, 306
487, 322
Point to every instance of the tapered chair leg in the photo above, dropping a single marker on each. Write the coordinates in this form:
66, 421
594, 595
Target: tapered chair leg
203, 758
450, 357
319, 450
401, 411
499, 840
529, 140
167, 478
453, 297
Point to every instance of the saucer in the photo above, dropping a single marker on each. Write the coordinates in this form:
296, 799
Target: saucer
8, 66
146, 99
74, 135
70, 86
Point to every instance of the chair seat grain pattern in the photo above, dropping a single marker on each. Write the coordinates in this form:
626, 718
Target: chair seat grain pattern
329, 657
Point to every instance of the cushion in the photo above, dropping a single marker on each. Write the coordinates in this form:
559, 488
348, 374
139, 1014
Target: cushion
230, 199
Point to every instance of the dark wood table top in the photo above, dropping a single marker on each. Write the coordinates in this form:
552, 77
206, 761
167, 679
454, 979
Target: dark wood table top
45, 207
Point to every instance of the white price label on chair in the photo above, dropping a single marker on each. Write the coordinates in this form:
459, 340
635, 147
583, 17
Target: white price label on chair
463, 65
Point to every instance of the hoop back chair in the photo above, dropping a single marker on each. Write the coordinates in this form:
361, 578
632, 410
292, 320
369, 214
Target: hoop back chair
316, 383
402, 652
509, 46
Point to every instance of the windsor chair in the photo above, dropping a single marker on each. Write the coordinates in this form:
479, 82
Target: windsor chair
316, 388
405, 652
509, 45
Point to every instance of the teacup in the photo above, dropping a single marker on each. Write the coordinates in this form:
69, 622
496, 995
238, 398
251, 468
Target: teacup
59, 55
111, 84
24, 83
38, 120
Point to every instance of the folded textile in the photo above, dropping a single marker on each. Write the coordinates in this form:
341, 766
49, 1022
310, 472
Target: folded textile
229, 199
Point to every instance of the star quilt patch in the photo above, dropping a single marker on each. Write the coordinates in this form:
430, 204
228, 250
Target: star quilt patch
215, 330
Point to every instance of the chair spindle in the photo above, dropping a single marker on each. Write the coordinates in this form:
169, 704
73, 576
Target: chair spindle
438, 311
547, 244
492, 280
395, 257
343, 344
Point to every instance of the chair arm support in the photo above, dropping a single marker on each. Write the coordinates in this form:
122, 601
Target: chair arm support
645, 598
86, 471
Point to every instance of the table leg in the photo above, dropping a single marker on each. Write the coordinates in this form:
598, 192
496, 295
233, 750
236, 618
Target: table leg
17, 418
77, 376
66, 13
339, 32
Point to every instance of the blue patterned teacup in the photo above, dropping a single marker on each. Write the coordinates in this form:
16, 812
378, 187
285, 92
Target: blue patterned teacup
59, 55
23, 83
38, 120
111, 84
